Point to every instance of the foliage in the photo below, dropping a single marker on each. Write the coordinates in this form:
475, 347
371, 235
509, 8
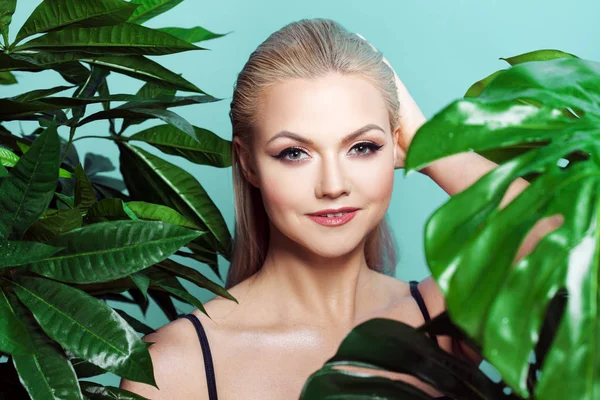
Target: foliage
536, 319
69, 237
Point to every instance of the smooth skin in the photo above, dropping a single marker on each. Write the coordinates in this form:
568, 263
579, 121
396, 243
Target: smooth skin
314, 286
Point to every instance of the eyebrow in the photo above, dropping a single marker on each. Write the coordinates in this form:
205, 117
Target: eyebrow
347, 139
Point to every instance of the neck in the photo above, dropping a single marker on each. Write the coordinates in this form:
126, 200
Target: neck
309, 286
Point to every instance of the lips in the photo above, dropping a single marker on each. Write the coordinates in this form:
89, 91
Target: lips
330, 212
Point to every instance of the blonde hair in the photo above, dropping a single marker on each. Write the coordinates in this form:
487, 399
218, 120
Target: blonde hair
308, 49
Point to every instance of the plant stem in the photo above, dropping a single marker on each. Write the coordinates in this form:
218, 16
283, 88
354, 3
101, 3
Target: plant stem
5, 39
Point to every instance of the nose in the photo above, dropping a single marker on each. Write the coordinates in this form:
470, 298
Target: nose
332, 181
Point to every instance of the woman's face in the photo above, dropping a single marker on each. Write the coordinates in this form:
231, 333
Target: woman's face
307, 159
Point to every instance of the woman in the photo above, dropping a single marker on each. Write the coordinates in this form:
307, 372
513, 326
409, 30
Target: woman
320, 122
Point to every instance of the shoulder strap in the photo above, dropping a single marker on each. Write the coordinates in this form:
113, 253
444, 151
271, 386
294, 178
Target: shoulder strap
414, 291
208, 362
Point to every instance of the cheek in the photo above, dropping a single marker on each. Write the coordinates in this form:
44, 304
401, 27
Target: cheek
284, 189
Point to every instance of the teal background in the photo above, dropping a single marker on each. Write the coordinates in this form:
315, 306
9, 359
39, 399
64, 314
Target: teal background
438, 48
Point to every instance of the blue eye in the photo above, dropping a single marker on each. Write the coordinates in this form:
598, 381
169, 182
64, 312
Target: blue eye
290, 151
365, 148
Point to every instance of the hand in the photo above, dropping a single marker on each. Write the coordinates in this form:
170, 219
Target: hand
411, 118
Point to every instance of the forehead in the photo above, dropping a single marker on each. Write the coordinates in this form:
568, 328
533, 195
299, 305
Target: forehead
329, 106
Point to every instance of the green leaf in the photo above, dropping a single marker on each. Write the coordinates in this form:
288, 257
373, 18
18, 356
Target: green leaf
148, 9
158, 212
85, 369
195, 277
15, 253
471, 243
112, 208
46, 229
192, 35
386, 344
478, 87
27, 191
14, 338
8, 158
53, 14
39, 94
538, 55
85, 197
111, 250
138, 67
93, 391
87, 327
7, 9
165, 115
124, 38
168, 184
46, 373
142, 282
181, 295
203, 148
3, 172
333, 384
134, 323
6, 78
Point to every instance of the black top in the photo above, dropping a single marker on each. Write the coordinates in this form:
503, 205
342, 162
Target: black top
208, 362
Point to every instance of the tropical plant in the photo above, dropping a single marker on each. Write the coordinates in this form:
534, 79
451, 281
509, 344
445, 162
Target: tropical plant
69, 237
535, 320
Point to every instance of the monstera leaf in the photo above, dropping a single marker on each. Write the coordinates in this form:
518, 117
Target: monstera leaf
550, 104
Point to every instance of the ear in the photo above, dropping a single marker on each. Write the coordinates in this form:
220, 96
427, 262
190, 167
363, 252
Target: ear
399, 153
246, 162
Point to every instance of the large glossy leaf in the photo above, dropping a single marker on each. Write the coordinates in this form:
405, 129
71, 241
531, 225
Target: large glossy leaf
87, 327
14, 337
152, 179
471, 243
394, 346
151, 8
136, 66
192, 35
16, 252
53, 14
158, 212
46, 373
111, 250
25, 194
207, 148
123, 38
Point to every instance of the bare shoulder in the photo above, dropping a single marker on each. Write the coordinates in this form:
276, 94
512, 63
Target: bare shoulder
175, 352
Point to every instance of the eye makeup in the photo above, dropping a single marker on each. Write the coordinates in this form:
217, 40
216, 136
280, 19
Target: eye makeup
370, 146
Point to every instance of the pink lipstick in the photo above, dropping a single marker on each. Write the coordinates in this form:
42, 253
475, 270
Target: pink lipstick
332, 217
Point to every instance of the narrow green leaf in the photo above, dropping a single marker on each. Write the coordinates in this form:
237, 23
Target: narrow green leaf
195, 277
94, 391
7, 78
39, 94
14, 253
204, 148
165, 115
14, 338
192, 35
138, 67
85, 197
124, 38
61, 221
142, 282
111, 208
7, 9
134, 323
182, 295
53, 14
87, 327
46, 373
168, 184
148, 9
111, 250
26, 193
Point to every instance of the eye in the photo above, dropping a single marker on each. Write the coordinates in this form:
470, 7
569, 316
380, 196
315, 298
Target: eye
291, 154
366, 148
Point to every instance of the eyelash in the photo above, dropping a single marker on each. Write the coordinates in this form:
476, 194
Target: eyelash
372, 147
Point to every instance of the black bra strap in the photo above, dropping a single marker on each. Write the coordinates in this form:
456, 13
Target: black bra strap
208, 362
414, 291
